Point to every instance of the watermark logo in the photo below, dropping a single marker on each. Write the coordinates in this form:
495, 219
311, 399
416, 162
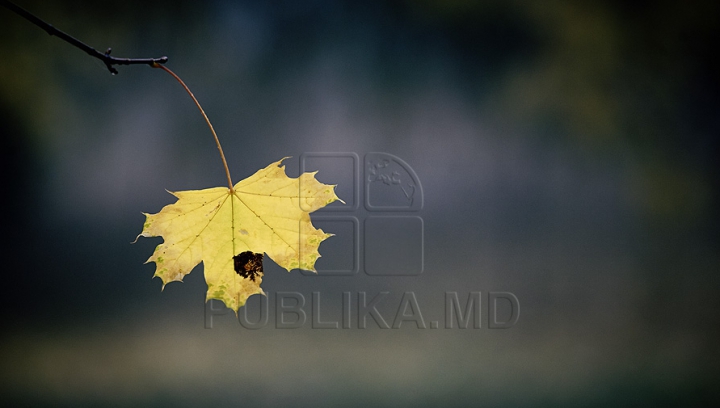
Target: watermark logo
388, 239
379, 232
360, 310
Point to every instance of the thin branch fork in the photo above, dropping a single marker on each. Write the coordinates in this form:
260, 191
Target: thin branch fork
108, 60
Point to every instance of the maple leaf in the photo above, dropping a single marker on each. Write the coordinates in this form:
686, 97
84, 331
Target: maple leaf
265, 213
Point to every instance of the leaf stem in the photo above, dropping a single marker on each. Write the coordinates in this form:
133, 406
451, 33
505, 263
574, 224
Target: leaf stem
217, 141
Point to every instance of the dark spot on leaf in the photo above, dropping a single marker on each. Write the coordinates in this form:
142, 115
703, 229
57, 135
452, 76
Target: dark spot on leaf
248, 264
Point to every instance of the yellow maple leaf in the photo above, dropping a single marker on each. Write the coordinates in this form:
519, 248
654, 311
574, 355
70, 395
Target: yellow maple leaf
265, 213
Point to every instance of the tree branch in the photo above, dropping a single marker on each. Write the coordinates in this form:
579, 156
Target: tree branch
106, 58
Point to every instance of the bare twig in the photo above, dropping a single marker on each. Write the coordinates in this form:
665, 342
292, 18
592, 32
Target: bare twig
106, 58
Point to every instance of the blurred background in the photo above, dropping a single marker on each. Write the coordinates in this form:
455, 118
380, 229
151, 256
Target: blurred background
568, 153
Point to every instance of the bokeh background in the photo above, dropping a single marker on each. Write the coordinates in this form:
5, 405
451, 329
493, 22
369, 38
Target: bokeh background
568, 153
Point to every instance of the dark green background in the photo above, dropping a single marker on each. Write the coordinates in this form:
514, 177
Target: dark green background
568, 154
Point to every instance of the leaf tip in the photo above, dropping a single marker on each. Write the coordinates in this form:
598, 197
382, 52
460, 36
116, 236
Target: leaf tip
335, 194
280, 164
162, 288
